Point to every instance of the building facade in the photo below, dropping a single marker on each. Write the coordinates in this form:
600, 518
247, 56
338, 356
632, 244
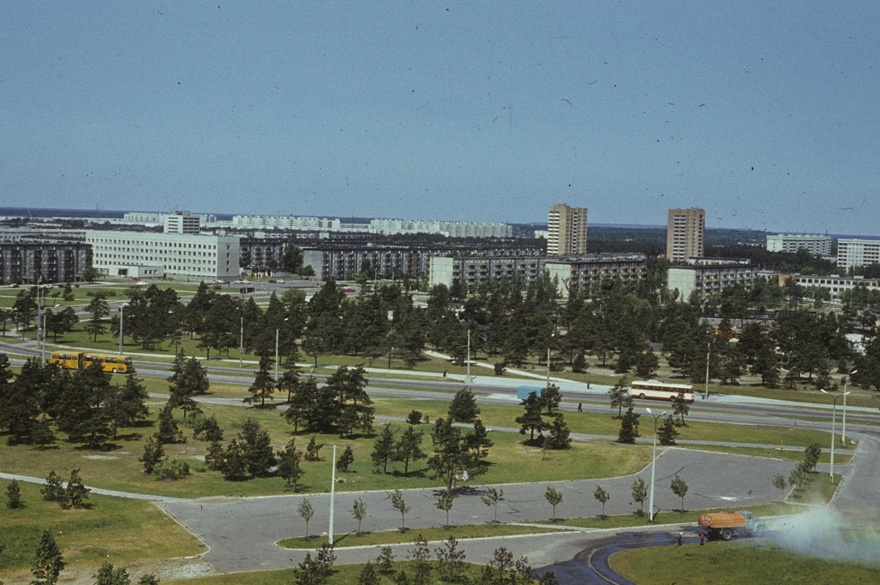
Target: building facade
837, 284
709, 276
580, 272
566, 230
152, 255
182, 222
814, 244
28, 261
854, 252
685, 234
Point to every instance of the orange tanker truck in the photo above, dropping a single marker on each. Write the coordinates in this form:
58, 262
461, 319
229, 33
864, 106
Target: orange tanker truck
725, 525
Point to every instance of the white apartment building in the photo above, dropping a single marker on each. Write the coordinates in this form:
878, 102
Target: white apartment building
286, 222
814, 244
857, 252
182, 222
152, 255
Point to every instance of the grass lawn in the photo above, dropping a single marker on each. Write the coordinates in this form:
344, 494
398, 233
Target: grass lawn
124, 530
734, 563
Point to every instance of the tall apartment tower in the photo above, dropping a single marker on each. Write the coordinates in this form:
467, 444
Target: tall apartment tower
685, 234
567, 230
182, 222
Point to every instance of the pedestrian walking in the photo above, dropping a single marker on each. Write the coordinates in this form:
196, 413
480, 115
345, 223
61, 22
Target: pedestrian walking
580, 407
679, 538
702, 537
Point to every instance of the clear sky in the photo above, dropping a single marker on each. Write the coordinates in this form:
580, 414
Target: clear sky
763, 113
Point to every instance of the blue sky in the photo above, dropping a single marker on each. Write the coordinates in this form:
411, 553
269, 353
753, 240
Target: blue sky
763, 113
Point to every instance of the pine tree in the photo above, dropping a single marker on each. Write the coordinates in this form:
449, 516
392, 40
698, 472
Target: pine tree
13, 496
667, 432
463, 407
408, 448
48, 562
345, 460
383, 449
290, 464
629, 427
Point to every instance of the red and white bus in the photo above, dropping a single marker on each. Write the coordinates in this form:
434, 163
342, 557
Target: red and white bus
651, 390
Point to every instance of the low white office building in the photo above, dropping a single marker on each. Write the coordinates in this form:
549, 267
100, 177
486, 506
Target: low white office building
153, 255
814, 244
854, 252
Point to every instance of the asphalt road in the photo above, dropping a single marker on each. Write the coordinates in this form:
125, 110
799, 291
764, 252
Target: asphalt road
241, 532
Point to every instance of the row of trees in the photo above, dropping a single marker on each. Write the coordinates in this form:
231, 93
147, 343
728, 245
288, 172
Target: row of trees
612, 322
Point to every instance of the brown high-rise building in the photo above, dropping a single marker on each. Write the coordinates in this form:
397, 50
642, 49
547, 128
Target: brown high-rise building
567, 230
685, 234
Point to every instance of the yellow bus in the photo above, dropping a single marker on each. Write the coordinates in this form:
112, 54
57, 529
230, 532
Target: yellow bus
78, 360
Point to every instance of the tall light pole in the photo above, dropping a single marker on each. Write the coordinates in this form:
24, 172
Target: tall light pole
833, 413
277, 329
121, 326
241, 342
468, 381
653, 460
708, 355
332, 496
843, 426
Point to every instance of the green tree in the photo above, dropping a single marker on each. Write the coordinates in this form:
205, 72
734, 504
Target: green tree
451, 561
811, 456
290, 464
463, 407
48, 562
629, 427
531, 420
168, 431
359, 512
99, 309
559, 436
383, 448
368, 575
554, 498
667, 433
188, 380
53, 489
234, 466
408, 448
639, 493
445, 501
680, 488
257, 449
399, 504
451, 456
680, 406
264, 385
601, 496
153, 455
13, 495
420, 557
620, 398
492, 497
346, 459
107, 575
76, 493
306, 511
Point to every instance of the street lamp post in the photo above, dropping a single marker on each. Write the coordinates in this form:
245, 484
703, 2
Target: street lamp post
653, 460
833, 413
277, 329
708, 355
241, 342
468, 381
121, 326
843, 426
